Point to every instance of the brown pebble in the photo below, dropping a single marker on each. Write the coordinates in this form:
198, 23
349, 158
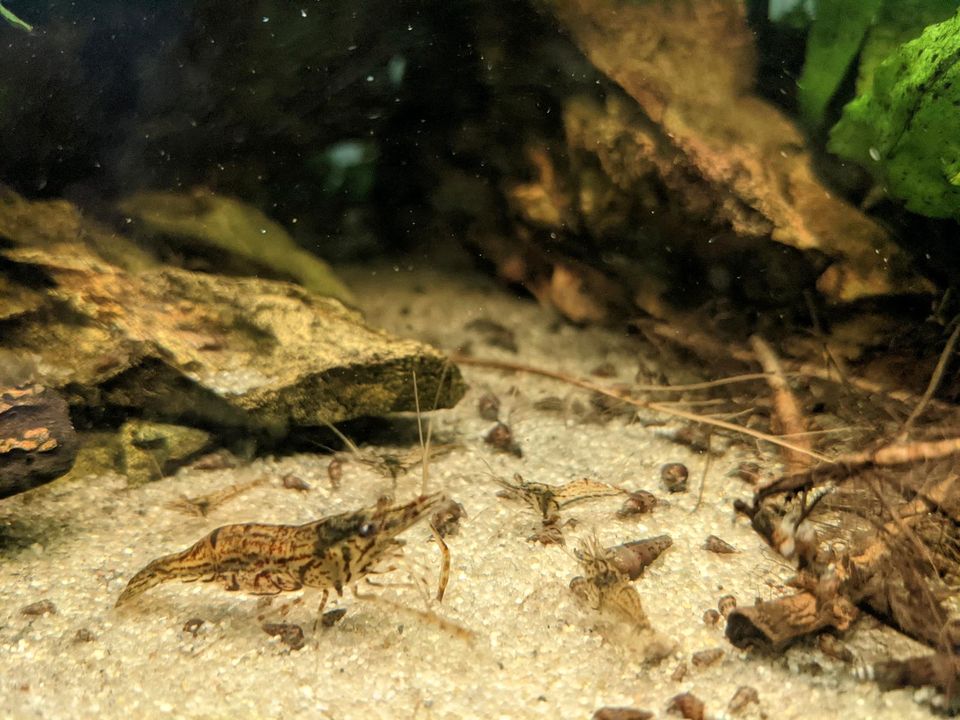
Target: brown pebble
687, 705
84, 635
41, 607
711, 617
833, 647
674, 477
718, 545
489, 407
639, 502
604, 370
292, 482
621, 713
705, 658
632, 558
332, 617
745, 695
290, 635
726, 604
500, 436
335, 473
679, 672
193, 626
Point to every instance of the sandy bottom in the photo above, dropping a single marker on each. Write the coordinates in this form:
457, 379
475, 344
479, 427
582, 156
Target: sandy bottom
532, 650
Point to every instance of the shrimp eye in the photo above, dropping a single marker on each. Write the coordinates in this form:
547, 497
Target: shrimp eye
367, 529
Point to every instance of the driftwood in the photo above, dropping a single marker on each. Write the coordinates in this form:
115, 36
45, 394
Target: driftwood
37, 440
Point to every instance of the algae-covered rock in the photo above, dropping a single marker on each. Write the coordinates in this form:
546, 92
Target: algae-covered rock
151, 450
906, 130
234, 228
197, 348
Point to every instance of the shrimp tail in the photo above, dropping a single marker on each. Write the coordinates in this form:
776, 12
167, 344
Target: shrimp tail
178, 566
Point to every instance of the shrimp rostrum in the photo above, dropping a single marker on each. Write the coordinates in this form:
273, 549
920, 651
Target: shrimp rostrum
326, 554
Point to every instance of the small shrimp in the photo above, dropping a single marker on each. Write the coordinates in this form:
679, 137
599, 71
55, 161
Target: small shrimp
327, 554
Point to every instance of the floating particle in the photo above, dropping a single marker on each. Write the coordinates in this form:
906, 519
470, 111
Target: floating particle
193, 626
745, 695
500, 436
335, 473
292, 482
674, 477
717, 545
41, 607
621, 713
489, 407
726, 604
290, 635
639, 502
687, 705
705, 658
711, 617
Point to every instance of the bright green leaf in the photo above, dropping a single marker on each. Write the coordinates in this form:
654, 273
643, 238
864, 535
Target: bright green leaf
14, 20
905, 130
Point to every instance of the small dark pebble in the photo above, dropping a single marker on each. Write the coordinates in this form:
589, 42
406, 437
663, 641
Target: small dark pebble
674, 477
550, 403
705, 658
41, 607
332, 617
639, 502
621, 713
193, 626
290, 635
604, 370
494, 334
489, 407
745, 695
84, 635
718, 545
687, 705
501, 437
292, 482
711, 617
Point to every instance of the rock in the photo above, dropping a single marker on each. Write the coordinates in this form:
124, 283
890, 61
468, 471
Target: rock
206, 221
728, 153
195, 348
37, 440
152, 450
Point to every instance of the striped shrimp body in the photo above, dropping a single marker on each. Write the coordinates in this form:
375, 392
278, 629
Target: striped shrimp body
327, 554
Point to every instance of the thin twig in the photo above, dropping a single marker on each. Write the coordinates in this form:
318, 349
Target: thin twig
784, 403
934, 383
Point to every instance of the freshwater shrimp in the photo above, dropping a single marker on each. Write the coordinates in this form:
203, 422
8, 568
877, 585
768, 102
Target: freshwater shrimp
326, 554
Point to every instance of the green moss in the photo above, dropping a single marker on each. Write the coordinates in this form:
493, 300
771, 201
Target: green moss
906, 128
